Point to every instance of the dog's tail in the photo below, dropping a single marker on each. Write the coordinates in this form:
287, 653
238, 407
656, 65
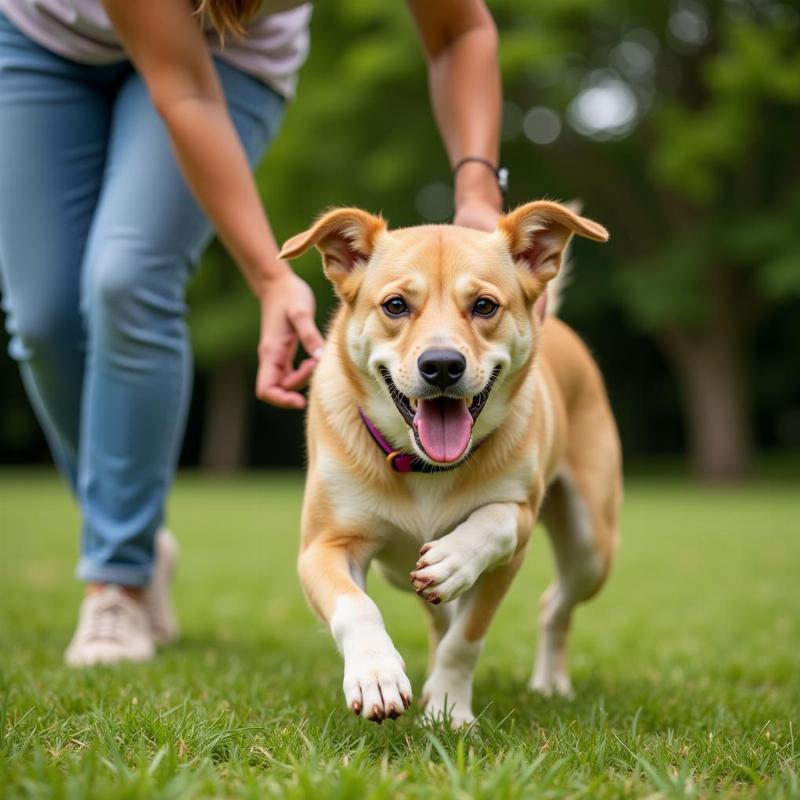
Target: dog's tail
555, 289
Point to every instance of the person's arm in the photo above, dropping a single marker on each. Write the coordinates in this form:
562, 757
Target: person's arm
164, 41
460, 42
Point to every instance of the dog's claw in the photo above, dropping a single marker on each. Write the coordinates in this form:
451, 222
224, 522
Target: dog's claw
356, 708
406, 700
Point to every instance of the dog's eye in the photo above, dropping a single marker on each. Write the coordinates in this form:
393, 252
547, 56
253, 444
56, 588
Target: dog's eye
485, 307
395, 307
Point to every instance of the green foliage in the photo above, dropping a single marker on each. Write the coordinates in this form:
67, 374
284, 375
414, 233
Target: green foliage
773, 242
686, 665
701, 179
752, 77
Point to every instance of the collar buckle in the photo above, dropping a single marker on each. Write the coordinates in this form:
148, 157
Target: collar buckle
400, 461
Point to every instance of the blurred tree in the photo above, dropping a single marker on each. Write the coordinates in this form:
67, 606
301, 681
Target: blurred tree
676, 122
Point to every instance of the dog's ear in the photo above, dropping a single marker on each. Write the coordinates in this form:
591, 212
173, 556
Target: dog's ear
538, 234
346, 238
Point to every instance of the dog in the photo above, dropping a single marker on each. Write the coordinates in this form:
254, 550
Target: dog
450, 411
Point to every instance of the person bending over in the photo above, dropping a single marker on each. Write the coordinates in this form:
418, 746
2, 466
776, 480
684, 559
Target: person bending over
128, 132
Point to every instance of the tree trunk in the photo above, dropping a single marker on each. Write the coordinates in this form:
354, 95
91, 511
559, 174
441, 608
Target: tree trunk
227, 418
712, 377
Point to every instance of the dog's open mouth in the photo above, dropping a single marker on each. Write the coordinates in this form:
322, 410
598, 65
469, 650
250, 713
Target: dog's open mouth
442, 425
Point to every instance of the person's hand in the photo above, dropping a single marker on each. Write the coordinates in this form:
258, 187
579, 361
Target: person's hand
287, 319
478, 214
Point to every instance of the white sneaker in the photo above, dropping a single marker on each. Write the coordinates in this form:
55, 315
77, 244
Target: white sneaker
112, 627
158, 595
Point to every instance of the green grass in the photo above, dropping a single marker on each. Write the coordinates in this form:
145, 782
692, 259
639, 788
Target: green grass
687, 666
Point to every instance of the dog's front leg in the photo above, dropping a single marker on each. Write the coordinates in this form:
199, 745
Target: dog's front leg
375, 682
450, 566
478, 560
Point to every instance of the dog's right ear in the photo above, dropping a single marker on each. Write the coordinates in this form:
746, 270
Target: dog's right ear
346, 238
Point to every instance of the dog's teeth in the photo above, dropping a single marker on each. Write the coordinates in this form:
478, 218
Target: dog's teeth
470, 402
413, 403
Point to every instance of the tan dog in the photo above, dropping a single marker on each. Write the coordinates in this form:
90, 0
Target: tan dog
499, 417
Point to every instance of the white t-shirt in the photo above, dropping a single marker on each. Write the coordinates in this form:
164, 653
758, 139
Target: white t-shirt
274, 49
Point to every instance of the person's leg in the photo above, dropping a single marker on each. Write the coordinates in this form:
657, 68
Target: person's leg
54, 124
146, 234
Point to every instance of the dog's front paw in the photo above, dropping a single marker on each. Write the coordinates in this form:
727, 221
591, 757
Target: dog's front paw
442, 572
376, 686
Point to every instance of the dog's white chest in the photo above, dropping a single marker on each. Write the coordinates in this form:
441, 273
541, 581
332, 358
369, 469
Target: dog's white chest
438, 504
433, 504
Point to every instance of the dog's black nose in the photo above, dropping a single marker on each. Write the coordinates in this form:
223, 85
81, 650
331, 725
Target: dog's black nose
441, 368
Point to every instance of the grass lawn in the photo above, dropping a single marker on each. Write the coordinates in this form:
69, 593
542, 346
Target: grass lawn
687, 666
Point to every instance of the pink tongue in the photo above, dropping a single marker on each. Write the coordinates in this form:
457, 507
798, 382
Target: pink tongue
444, 426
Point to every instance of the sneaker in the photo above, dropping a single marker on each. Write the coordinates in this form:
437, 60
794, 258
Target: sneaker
158, 595
112, 627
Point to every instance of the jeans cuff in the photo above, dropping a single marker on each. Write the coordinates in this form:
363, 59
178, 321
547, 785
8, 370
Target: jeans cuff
133, 575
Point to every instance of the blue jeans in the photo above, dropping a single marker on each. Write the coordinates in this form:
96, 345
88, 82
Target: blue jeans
98, 237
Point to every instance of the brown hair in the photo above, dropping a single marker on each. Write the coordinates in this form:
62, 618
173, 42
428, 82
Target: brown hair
228, 16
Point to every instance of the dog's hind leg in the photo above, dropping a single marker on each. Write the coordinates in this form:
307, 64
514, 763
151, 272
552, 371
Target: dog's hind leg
581, 524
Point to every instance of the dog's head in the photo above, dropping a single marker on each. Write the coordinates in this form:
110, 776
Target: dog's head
440, 319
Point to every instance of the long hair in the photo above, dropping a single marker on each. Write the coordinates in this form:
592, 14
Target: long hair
228, 16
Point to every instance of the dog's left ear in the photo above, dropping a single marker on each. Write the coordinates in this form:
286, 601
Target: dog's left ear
346, 238
538, 234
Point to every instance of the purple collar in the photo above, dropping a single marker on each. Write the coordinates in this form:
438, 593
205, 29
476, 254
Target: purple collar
397, 459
